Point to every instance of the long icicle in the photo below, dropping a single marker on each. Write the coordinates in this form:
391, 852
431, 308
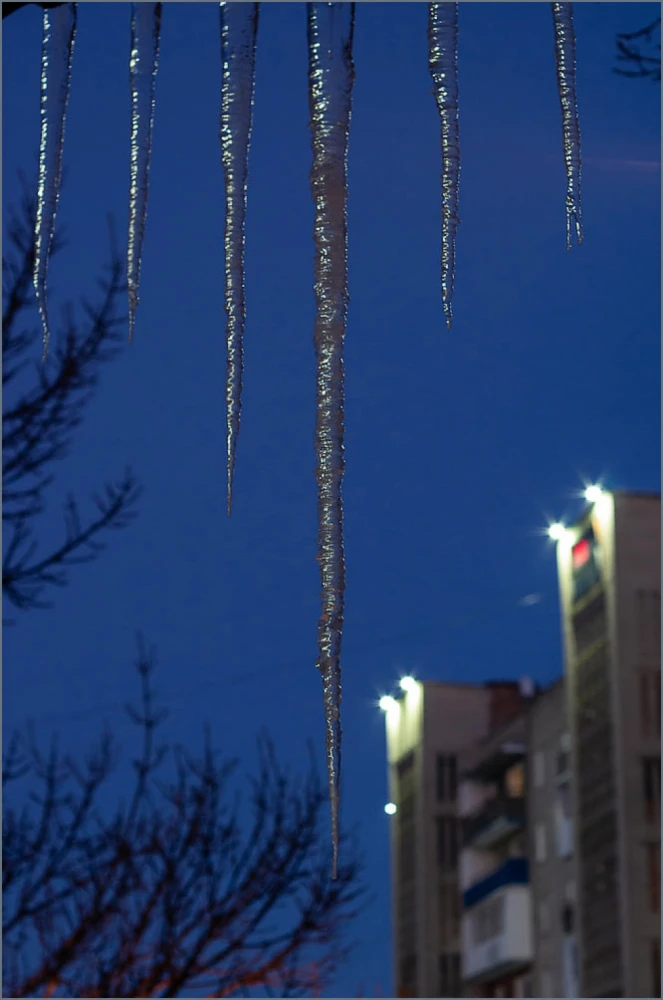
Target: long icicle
239, 27
565, 61
443, 65
143, 65
331, 76
59, 32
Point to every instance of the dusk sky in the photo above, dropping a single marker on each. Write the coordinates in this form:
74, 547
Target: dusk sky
460, 445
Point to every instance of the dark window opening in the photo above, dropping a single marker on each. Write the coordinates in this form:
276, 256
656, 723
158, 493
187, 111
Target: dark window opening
447, 841
651, 782
447, 779
656, 967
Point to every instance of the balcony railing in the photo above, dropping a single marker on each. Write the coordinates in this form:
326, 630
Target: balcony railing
499, 818
508, 947
515, 871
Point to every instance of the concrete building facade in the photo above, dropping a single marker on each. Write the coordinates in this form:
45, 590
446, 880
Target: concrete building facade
551, 846
427, 727
609, 570
496, 929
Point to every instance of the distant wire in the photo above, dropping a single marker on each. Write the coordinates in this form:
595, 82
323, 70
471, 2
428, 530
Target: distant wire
477, 616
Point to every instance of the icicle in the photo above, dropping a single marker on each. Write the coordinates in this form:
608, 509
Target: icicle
565, 59
59, 31
239, 26
143, 63
331, 75
443, 65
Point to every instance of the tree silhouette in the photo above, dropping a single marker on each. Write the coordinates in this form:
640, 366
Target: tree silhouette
178, 889
40, 414
642, 64
11, 8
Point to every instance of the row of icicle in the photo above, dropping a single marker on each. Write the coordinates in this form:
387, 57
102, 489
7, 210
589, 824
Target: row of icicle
330, 28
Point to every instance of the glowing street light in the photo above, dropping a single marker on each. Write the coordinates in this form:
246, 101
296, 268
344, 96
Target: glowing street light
391, 808
593, 494
408, 684
556, 531
387, 703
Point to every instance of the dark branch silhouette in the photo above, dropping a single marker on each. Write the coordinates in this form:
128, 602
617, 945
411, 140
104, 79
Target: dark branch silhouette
640, 63
11, 8
40, 414
180, 888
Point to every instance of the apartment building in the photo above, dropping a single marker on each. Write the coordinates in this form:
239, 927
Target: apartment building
550, 844
427, 726
497, 948
609, 566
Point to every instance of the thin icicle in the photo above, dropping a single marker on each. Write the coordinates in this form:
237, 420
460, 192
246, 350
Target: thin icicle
331, 76
565, 60
443, 65
143, 64
59, 31
239, 27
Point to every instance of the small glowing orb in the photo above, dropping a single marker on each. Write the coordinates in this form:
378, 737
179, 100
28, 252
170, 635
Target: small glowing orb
556, 531
390, 808
387, 703
593, 494
408, 684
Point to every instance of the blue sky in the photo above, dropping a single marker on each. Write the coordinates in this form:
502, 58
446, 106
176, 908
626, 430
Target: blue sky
459, 445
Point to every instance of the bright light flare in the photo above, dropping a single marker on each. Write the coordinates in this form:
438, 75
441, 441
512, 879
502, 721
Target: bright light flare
593, 494
408, 684
556, 531
387, 703
391, 808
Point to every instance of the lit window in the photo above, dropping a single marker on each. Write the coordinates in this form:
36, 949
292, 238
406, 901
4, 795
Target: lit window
581, 553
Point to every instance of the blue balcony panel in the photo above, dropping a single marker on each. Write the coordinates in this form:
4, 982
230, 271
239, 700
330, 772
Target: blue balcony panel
515, 871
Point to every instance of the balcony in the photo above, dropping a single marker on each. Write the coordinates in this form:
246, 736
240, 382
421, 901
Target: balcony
515, 871
496, 935
500, 818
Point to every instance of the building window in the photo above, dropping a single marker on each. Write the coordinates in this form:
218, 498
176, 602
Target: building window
570, 966
648, 611
456, 982
650, 702
651, 787
447, 778
564, 821
514, 781
444, 976
488, 920
540, 842
408, 985
450, 983
447, 841
405, 764
539, 769
449, 912
654, 876
656, 967
586, 560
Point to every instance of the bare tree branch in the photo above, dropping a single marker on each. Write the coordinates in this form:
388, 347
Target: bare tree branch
175, 892
11, 8
39, 421
629, 52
